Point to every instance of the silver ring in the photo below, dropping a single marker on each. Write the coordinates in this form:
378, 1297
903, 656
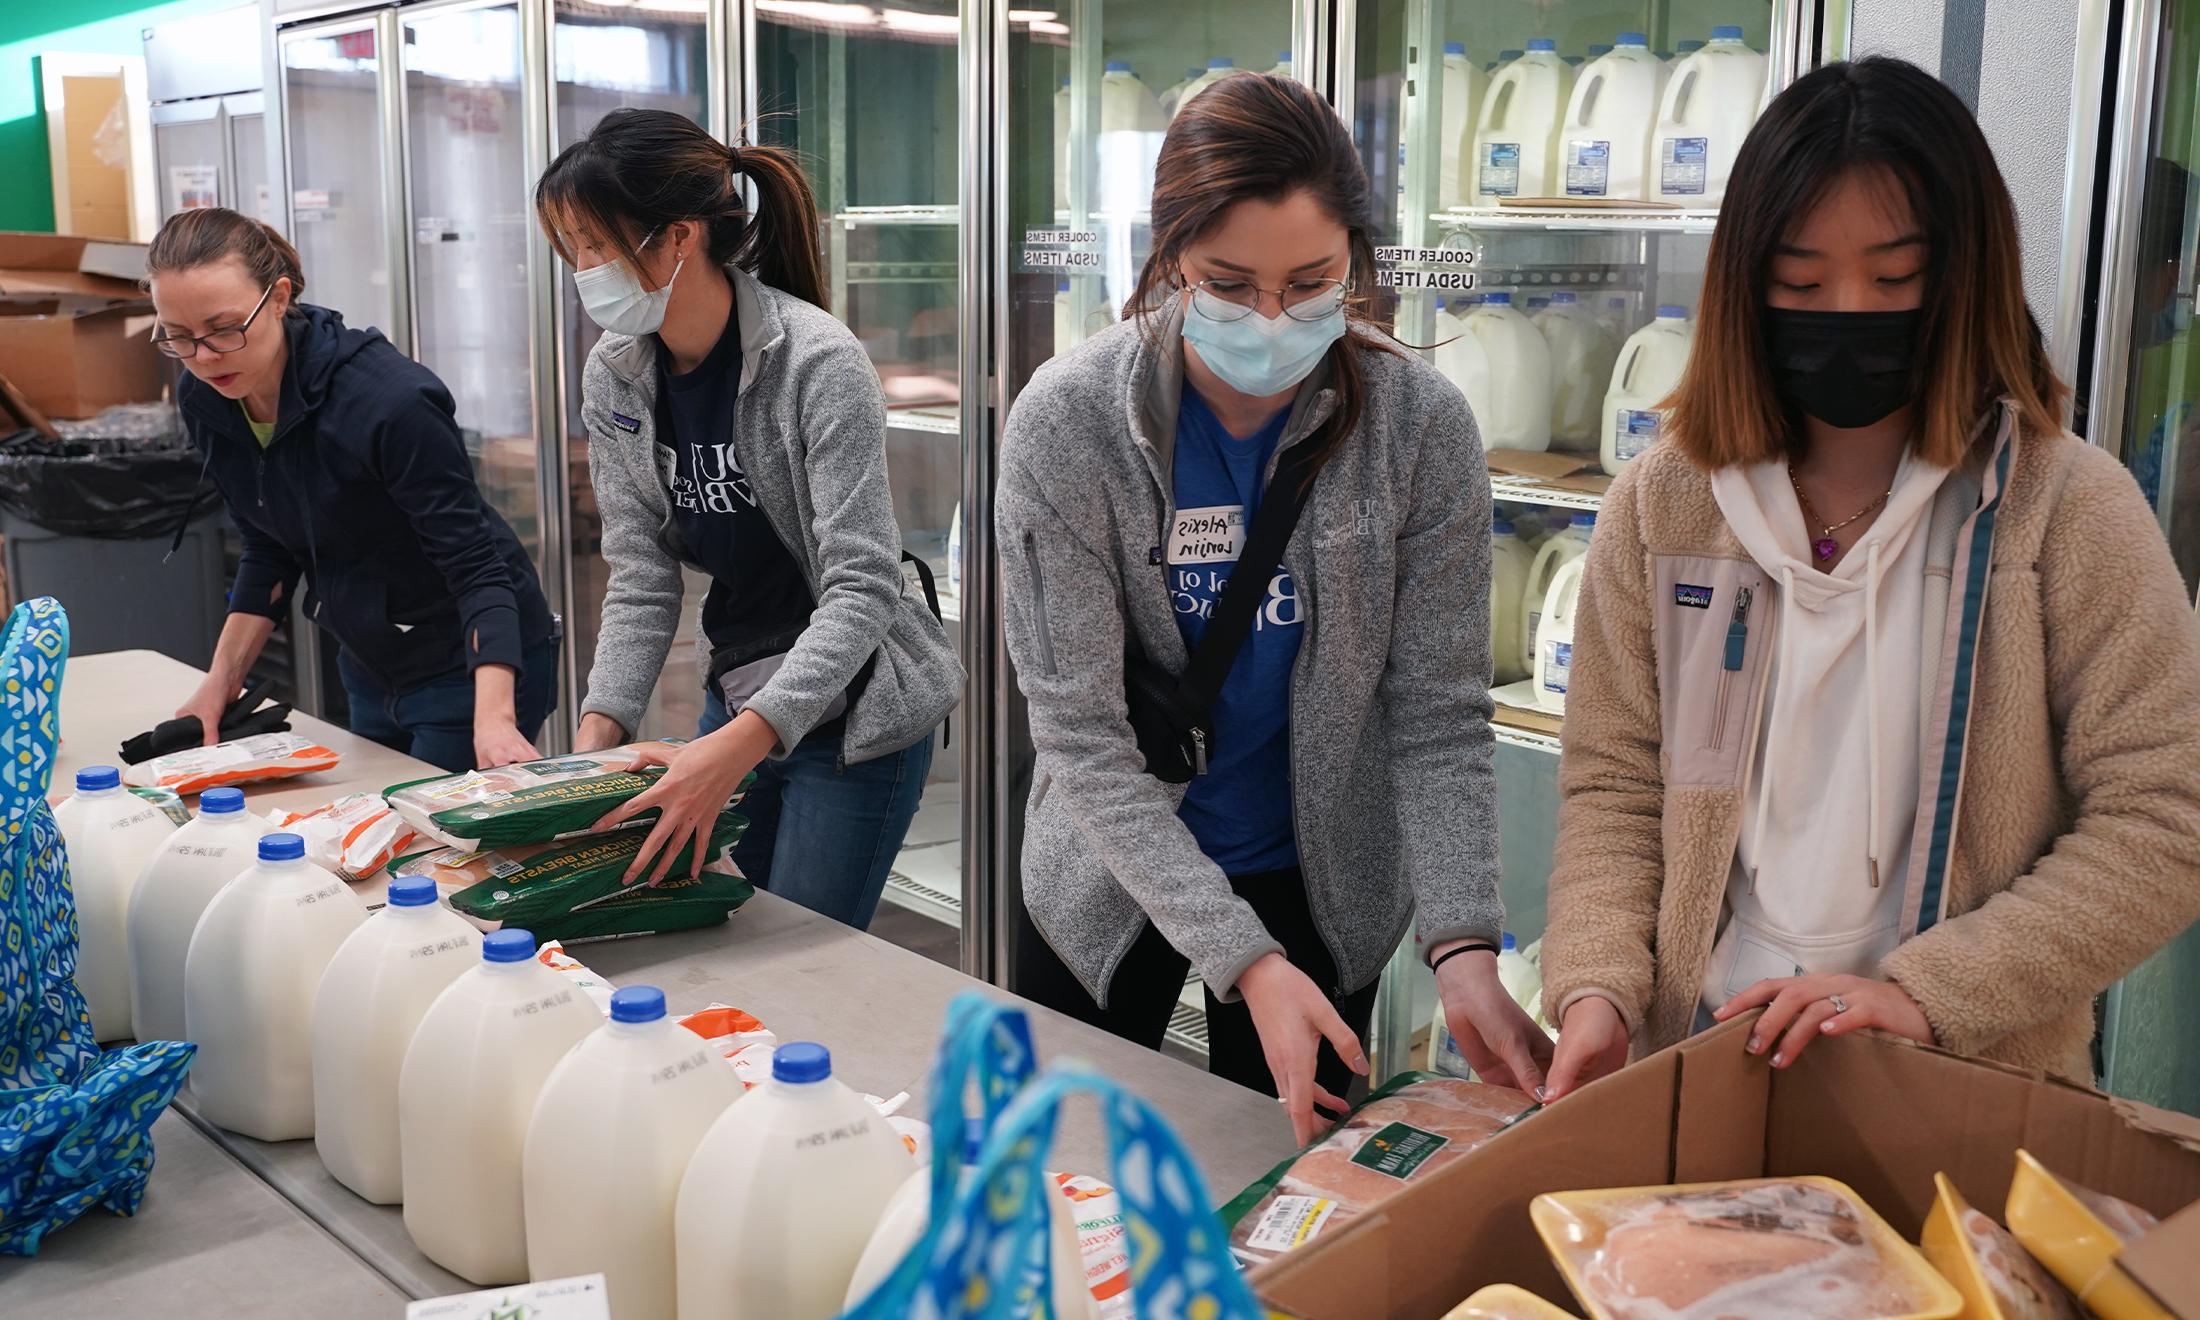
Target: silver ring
1840, 1005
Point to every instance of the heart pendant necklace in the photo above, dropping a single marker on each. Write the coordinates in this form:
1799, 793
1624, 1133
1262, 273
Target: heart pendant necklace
1823, 547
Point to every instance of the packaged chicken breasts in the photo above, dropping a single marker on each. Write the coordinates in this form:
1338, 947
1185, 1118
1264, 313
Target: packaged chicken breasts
2077, 1233
1767, 1248
534, 802
1998, 1278
575, 889
1414, 1125
255, 760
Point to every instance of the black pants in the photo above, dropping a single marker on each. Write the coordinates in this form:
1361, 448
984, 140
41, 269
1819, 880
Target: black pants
1144, 992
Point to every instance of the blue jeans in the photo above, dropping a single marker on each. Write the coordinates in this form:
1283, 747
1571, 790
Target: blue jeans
435, 722
822, 834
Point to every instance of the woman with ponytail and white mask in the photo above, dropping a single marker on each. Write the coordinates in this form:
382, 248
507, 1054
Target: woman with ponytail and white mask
1339, 780
737, 428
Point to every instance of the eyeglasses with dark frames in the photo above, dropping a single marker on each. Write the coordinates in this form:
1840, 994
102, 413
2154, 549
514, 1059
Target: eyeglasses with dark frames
220, 341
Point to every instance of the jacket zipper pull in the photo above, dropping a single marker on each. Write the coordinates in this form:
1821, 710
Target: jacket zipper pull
1199, 751
1737, 631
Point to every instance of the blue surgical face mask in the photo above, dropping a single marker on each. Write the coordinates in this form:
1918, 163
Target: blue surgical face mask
614, 298
1260, 355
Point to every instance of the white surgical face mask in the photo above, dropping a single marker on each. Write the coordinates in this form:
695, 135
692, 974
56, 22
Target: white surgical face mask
614, 298
1262, 356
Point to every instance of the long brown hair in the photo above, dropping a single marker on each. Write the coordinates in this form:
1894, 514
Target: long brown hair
201, 237
640, 170
1257, 137
1977, 340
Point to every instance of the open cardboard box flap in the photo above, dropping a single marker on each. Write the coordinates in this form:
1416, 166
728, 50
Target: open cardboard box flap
43, 267
1878, 1114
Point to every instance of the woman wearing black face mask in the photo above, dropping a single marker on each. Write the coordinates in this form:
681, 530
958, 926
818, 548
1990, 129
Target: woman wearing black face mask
1886, 696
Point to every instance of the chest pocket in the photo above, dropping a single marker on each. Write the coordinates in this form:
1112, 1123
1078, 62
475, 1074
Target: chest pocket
1712, 621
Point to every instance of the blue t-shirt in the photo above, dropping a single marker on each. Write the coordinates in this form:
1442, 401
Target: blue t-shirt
1240, 810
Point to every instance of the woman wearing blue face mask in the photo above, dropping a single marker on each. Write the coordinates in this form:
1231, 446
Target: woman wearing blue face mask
1340, 780
737, 429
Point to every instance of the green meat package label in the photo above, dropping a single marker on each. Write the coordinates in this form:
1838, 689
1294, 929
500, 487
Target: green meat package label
533, 802
1397, 1149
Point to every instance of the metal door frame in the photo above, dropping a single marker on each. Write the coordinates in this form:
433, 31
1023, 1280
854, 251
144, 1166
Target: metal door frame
2118, 239
175, 114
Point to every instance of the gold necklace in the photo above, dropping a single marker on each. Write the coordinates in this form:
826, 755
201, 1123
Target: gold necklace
1823, 546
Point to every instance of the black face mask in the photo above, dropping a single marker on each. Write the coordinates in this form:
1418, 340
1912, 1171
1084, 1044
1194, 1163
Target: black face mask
1846, 369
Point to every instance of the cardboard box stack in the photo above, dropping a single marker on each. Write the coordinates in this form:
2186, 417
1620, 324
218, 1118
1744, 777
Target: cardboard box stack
75, 329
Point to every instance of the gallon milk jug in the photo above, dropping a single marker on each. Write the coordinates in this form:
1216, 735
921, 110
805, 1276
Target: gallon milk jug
1128, 105
1508, 586
1455, 136
1283, 65
1554, 651
1513, 407
611, 1137
784, 1194
248, 983
1604, 151
191, 867
1520, 976
910, 1213
1553, 555
1171, 98
468, 1087
1459, 354
1580, 370
1647, 370
111, 834
1708, 109
1504, 57
371, 1000
1218, 68
1516, 131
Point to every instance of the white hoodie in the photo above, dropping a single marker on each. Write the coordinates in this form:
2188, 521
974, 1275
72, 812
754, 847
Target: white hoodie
1817, 882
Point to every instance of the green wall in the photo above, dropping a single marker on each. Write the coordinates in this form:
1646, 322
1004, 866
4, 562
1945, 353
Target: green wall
30, 27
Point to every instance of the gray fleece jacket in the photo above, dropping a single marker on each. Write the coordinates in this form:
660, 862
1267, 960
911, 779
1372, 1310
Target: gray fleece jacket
810, 431
1393, 795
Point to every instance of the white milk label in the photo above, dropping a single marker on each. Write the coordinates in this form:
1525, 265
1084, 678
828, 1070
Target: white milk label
543, 1005
1634, 430
1683, 164
1213, 535
1588, 168
432, 948
674, 1071
1290, 1222
1500, 172
1561, 666
321, 895
581, 1298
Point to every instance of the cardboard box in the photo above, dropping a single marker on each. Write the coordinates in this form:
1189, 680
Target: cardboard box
1880, 1115
74, 326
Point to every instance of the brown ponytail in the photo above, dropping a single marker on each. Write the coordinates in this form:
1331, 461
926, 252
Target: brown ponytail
192, 239
1256, 136
640, 170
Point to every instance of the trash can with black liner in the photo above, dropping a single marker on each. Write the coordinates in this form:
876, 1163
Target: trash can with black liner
88, 520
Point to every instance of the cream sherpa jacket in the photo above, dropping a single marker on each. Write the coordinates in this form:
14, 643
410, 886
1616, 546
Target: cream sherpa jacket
2058, 821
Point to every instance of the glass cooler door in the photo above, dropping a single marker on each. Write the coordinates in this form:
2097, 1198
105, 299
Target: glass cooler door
1549, 177
339, 202
607, 58
467, 191
869, 97
1091, 89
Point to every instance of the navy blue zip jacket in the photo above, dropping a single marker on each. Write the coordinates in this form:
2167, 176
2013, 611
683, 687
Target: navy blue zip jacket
366, 489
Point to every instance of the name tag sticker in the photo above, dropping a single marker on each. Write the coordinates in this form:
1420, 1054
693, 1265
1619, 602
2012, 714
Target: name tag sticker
1213, 535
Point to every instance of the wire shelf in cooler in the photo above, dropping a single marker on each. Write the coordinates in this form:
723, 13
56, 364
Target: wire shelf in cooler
1584, 220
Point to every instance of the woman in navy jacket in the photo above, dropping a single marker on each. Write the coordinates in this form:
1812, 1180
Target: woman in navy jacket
340, 460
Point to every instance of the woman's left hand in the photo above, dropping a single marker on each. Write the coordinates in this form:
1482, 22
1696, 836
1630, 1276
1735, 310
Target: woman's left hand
699, 780
1803, 1008
500, 743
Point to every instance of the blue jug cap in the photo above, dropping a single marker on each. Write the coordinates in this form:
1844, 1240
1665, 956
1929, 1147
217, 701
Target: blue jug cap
1500, 527
802, 1061
637, 1003
1118, 66
1726, 32
1672, 312
412, 891
1455, 48
1585, 519
98, 779
1535, 43
1508, 941
221, 801
509, 945
1632, 39
1221, 62
1564, 298
281, 848
1500, 298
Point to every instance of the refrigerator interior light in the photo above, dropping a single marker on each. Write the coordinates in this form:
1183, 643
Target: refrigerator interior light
931, 25
1032, 15
821, 11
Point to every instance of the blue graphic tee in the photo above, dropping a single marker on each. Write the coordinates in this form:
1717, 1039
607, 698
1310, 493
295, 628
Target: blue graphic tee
1240, 810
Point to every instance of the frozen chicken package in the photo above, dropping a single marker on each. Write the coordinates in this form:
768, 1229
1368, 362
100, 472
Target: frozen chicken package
254, 760
1779, 1248
575, 889
543, 801
1998, 1278
2077, 1233
355, 836
1413, 1125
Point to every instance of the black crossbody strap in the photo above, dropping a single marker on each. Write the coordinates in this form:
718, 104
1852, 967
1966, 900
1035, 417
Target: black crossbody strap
1246, 588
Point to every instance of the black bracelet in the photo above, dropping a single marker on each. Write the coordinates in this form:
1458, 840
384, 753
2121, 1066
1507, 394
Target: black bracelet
1479, 946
